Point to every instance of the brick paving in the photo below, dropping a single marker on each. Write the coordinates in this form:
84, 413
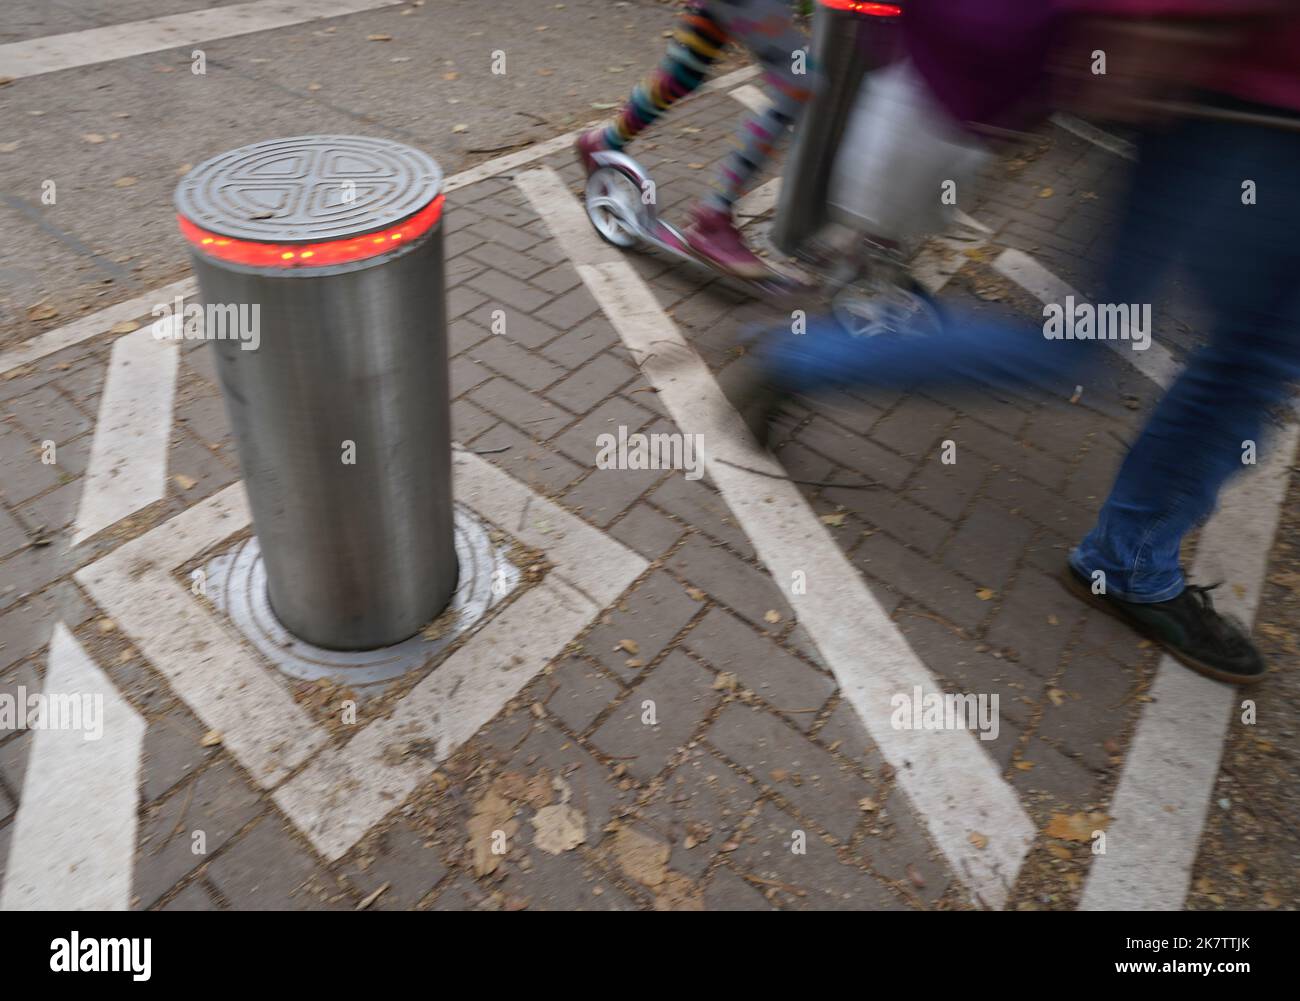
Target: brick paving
753, 749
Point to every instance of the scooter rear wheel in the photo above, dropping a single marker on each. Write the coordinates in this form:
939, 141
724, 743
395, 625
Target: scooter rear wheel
614, 206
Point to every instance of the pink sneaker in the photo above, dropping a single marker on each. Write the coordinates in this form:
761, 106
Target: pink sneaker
589, 143
713, 236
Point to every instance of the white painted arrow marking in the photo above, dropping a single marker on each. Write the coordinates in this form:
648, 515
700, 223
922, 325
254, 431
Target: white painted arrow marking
128, 457
74, 838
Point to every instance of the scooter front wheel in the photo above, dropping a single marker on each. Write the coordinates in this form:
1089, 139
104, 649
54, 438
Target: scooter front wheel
614, 206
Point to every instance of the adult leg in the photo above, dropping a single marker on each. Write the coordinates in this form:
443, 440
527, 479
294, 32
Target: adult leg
1243, 259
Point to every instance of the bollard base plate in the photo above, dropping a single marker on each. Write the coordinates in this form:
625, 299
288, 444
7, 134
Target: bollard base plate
236, 585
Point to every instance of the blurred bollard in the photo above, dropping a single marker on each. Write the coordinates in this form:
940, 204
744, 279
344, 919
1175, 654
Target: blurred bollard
850, 39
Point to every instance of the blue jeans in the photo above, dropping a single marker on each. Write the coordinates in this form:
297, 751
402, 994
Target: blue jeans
1185, 206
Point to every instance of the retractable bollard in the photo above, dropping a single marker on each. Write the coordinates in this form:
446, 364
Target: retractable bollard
850, 38
339, 404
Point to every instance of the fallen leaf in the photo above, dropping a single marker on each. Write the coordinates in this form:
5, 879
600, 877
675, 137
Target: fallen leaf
460, 128
867, 805
642, 857
93, 137
635, 663
210, 739
725, 682
677, 893
628, 646
834, 520
695, 594
379, 38
1024, 766
124, 182
1076, 826
985, 594
125, 327
1060, 851
185, 482
492, 813
772, 616
559, 828
453, 75
9, 147
1046, 193
978, 840
41, 311
1056, 695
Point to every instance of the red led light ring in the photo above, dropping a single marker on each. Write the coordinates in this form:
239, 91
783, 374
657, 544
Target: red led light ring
860, 7
346, 250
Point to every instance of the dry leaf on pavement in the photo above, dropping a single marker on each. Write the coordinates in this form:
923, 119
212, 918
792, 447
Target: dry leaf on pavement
559, 828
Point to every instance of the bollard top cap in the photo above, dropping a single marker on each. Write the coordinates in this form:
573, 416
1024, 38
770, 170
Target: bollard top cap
309, 189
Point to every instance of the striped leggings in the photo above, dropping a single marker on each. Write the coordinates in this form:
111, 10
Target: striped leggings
765, 27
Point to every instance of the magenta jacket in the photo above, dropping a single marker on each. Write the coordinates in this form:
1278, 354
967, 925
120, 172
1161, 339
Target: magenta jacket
983, 58
1265, 69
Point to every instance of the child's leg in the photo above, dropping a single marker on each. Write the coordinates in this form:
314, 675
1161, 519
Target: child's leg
766, 28
696, 45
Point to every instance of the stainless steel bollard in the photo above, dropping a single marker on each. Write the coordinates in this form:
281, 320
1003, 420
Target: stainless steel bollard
340, 410
850, 38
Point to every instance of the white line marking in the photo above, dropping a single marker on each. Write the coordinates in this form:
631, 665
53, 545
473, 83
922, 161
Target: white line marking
1156, 362
955, 787
94, 324
121, 41
509, 161
752, 98
728, 80
345, 791
226, 685
1098, 137
758, 202
128, 455
1164, 791
501, 164
943, 256
74, 837
132, 309
934, 265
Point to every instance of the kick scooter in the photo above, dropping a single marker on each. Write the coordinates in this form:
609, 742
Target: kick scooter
621, 206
